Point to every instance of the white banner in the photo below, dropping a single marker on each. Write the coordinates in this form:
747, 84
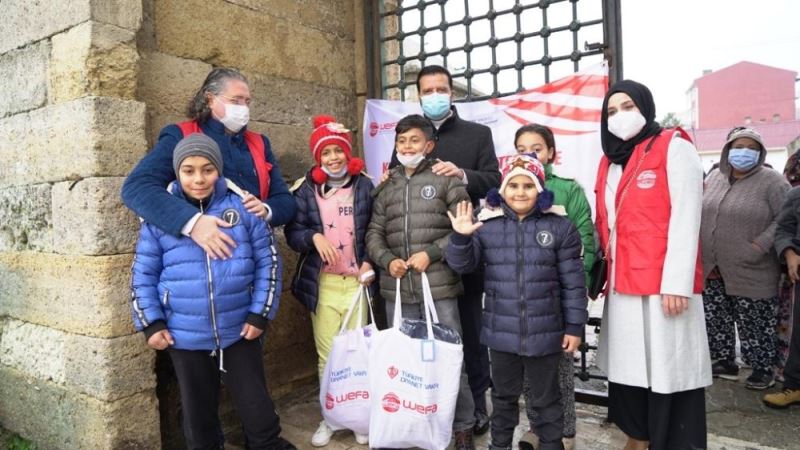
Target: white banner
570, 106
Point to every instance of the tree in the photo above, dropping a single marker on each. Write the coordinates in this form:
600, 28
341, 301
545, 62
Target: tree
671, 120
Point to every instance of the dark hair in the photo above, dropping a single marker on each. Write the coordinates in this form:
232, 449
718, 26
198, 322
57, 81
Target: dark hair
433, 70
545, 132
414, 121
215, 82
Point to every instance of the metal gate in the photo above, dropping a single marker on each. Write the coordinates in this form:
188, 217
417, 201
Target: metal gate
492, 48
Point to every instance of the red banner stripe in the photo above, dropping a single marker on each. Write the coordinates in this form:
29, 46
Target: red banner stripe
560, 111
555, 130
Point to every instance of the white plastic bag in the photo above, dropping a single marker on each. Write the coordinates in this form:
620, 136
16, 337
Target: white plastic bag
344, 389
413, 384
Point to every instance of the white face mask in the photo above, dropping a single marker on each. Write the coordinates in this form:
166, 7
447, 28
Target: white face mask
411, 162
342, 172
626, 124
236, 117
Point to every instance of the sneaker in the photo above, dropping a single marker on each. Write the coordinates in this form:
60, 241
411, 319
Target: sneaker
362, 439
724, 369
528, 441
760, 380
464, 440
783, 399
322, 436
481, 422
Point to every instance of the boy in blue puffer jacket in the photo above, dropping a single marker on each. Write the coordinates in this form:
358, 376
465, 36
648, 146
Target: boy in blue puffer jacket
208, 313
534, 295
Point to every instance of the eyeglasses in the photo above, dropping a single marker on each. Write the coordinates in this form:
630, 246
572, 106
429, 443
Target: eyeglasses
238, 100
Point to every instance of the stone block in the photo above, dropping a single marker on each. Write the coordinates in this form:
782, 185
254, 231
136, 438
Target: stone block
107, 369
332, 16
26, 218
77, 294
87, 137
156, 121
292, 102
290, 145
26, 21
57, 418
122, 13
93, 58
167, 83
23, 78
89, 218
253, 41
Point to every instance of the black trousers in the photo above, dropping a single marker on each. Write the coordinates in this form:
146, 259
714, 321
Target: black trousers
791, 373
199, 382
675, 421
476, 355
541, 374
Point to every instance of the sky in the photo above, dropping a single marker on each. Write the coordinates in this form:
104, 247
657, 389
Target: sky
667, 44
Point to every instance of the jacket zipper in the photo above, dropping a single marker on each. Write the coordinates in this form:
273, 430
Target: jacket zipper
521, 286
166, 298
211, 297
407, 237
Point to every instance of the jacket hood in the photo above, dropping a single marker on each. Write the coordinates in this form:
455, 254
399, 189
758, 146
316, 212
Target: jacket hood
725, 166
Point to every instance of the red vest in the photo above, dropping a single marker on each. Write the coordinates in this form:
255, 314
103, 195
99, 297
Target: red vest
255, 143
643, 219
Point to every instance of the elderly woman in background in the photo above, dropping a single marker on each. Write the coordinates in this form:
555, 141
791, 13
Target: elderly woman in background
740, 204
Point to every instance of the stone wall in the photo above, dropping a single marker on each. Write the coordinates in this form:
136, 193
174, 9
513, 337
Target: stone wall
85, 85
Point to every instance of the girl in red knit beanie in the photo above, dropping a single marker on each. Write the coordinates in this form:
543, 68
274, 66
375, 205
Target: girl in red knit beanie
334, 207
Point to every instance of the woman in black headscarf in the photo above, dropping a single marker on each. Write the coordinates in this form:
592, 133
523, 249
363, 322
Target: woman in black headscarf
653, 344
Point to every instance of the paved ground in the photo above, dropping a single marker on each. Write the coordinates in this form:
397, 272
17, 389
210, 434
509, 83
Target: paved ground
736, 421
736, 418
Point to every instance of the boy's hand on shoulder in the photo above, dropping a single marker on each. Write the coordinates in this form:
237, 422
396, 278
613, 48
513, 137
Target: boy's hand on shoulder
419, 261
207, 235
570, 343
462, 221
398, 268
250, 332
254, 205
160, 340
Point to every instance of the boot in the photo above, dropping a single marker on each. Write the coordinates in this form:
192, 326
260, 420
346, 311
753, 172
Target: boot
464, 440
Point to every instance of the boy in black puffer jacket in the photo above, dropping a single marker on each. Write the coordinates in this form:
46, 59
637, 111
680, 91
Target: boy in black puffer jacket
534, 297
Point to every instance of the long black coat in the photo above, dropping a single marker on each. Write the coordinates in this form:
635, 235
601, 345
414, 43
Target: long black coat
307, 222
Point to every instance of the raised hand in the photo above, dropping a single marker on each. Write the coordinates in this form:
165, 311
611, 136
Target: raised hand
462, 221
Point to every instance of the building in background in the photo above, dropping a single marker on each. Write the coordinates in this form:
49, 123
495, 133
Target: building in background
744, 94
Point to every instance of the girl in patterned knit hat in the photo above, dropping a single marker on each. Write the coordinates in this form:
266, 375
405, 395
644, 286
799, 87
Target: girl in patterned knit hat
333, 211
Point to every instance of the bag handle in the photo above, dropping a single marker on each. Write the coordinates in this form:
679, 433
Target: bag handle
398, 311
625, 191
430, 310
363, 291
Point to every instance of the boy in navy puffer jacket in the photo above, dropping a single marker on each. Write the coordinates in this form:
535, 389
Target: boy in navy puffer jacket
534, 295
209, 313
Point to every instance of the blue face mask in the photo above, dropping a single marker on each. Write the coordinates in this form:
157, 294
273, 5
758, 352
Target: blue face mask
743, 158
435, 106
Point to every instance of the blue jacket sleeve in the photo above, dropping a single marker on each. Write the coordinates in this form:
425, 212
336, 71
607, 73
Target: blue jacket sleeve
279, 199
572, 280
267, 281
147, 266
299, 232
144, 191
463, 254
